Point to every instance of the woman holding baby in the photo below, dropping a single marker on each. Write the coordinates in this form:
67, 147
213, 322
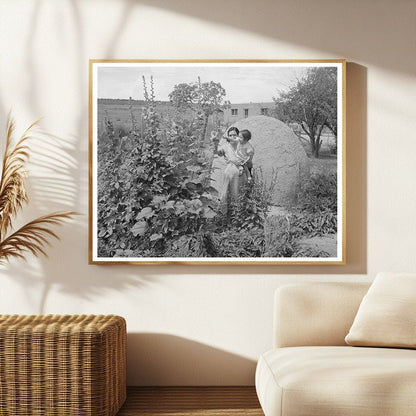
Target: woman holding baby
238, 154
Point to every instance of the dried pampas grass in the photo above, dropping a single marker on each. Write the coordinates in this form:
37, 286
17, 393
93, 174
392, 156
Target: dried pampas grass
34, 236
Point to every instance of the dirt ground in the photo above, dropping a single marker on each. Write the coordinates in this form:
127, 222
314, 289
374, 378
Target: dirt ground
327, 243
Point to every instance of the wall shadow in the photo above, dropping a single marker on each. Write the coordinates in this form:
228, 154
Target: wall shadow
337, 28
191, 400
168, 360
59, 181
356, 165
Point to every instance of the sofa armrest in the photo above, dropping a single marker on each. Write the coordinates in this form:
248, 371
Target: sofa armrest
308, 314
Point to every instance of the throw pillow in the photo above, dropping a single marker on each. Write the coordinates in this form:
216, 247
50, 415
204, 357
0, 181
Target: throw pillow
386, 316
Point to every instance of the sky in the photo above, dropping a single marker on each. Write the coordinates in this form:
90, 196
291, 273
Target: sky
243, 83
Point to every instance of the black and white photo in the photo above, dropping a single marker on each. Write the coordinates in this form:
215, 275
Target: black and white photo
238, 162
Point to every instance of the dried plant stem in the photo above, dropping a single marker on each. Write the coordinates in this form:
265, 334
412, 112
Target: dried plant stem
33, 236
12, 183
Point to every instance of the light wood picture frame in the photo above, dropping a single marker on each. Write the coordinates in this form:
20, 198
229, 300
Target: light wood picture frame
217, 162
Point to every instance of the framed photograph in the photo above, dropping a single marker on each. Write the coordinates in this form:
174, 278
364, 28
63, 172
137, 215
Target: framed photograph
217, 162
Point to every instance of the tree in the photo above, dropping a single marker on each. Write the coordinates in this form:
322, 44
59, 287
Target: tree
205, 98
312, 103
184, 95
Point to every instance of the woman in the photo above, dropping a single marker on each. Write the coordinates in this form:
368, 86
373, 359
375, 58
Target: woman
234, 175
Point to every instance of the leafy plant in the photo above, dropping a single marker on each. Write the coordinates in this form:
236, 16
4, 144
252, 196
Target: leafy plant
33, 236
319, 193
282, 238
315, 215
316, 224
254, 200
154, 193
239, 243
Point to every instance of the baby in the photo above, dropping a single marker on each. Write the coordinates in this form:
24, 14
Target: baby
245, 151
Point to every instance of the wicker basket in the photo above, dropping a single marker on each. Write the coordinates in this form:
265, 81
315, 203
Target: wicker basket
54, 365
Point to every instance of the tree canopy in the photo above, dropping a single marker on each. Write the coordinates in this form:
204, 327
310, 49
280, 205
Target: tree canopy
209, 95
204, 98
311, 103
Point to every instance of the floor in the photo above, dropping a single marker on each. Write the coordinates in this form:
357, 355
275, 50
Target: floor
187, 401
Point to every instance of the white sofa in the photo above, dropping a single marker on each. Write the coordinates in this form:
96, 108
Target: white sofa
311, 371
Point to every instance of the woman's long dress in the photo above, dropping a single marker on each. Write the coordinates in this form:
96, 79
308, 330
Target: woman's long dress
233, 181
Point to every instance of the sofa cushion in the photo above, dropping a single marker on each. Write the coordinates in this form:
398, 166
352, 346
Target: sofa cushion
315, 314
387, 314
342, 381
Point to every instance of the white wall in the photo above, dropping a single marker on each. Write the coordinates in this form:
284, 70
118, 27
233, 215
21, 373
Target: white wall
204, 324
